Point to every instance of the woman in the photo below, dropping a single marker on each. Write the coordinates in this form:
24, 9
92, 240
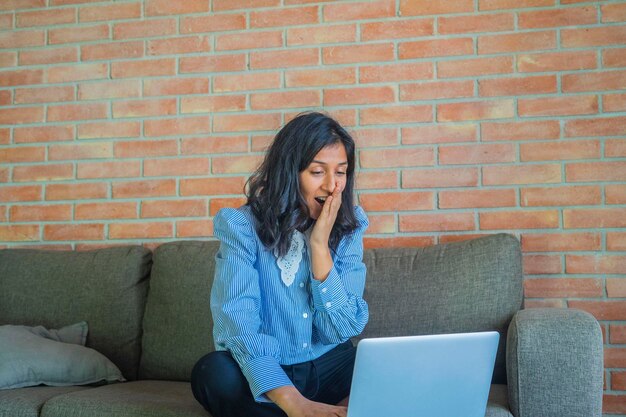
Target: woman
289, 279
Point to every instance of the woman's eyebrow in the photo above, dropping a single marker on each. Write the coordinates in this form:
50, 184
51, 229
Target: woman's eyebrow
324, 163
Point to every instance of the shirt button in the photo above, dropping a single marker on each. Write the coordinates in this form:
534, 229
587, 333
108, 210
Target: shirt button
302, 285
324, 289
305, 315
304, 345
328, 304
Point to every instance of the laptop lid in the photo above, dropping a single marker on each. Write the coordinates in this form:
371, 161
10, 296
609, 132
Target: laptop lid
445, 375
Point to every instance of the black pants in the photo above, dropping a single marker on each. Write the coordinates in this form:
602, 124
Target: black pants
219, 385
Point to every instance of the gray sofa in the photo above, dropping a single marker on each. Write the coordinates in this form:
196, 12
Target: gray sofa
149, 314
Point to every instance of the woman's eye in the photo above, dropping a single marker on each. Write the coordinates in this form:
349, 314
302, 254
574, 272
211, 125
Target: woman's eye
341, 173
317, 172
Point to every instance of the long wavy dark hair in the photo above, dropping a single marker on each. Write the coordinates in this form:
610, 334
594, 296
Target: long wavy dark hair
274, 189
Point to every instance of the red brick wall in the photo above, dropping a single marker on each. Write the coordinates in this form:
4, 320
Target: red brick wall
134, 122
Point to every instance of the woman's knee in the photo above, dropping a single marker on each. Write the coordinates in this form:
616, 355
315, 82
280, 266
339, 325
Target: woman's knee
217, 375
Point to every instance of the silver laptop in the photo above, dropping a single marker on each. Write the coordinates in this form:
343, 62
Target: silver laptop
423, 376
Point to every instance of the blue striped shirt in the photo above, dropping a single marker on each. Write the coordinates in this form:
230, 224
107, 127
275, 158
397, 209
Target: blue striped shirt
266, 323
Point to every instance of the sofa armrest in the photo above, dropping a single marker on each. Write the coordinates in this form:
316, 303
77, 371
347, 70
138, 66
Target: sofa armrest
554, 361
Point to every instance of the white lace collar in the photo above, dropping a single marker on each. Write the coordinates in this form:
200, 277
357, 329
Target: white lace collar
290, 263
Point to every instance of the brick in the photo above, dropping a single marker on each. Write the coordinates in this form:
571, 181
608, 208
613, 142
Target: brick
249, 40
436, 90
522, 174
212, 103
436, 222
398, 242
284, 59
68, 2
614, 102
396, 29
145, 148
20, 77
236, 164
21, 115
528, 303
43, 95
517, 86
50, 172
10, 193
359, 11
477, 198
596, 81
49, 55
246, 122
216, 204
105, 210
365, 95
143, 68
396, 72
143, 108
594, 218
435, 48
381, 223
595, 264
557, 61
440, 178
614, 57
39, 213
176, 167
83, 231
181, 45
561, 242
174, 208
80, 151
84, 111
512, 4
175, 86
594, 36
177, 126
78, 34
477, 23
397, 201
571, 16
561, 150
172, 7
616, 241
213, 23
615, 287
213, 144
618, 380
517, 42
6, 98
218, 63
615, 194
212, 186
143, 188
285, 99
243, 82
558, 106
8, 59
114, 169
219, 5
19, 233
318, 35
373, 180
439, 133
595, 171
72, 73
348, 54
477, 154
284, 17
109, 12
561, 196
613, 403
144, 29
618, 336
428, 7
596, 127
6, 21
541, 264
79, 191
109, 130
144, 230
5, 136
563, 288
319, 77
475, 67
22, 4
22, 39
109, 89
22, 154
194, 228
113, 50
396, 114
519, 219
613, 12
476, 110
45, 17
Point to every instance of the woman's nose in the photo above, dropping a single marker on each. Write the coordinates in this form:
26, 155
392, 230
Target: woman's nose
329, 183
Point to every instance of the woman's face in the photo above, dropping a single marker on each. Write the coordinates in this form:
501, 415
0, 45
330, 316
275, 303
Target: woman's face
328, 168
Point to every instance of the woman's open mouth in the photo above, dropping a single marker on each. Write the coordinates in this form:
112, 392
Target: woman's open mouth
320, 200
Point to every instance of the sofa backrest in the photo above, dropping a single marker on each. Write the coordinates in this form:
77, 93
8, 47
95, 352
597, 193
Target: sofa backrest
469, 286
177, 322
107, 288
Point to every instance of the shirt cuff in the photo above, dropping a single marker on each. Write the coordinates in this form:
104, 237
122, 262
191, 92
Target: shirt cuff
264, 374
329, 294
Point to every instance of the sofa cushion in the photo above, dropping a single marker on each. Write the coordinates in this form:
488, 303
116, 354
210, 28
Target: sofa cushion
177, 323
27, 402
131, 399
105, 287
467, 286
